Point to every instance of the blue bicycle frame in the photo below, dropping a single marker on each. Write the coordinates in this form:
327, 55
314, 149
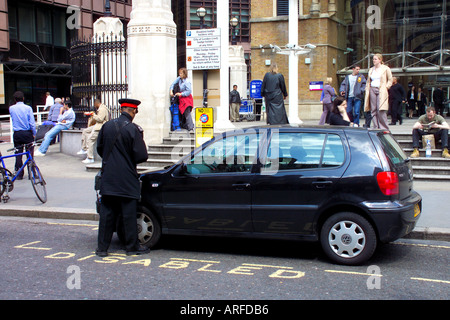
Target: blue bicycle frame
29, 158
34, 174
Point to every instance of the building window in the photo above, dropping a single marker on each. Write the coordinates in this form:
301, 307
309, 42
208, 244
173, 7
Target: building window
26, 24
37, 24
282, 7
44, 26
239, 9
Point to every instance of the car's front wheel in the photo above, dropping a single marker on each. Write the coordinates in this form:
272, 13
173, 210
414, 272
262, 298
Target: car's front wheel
348, 238
148, 228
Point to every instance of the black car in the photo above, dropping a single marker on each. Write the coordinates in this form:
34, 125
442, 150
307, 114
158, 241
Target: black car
348, 188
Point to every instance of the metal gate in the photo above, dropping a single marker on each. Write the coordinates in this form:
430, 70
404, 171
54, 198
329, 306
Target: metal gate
99, 71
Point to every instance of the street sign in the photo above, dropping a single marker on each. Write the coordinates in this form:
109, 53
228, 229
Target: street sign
315, 85
204, 125
255, 89
203, 49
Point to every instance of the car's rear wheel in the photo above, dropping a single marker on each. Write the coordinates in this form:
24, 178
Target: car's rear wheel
348, 238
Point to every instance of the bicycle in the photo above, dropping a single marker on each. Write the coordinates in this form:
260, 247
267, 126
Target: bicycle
34, 174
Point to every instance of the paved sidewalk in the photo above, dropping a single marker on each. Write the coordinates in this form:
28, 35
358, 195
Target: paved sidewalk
71, 195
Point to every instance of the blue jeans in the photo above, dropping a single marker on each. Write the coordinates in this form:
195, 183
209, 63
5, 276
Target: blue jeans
49, 137
353, 108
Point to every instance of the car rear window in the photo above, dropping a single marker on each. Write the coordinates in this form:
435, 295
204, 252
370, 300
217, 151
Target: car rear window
301, 150
392, 149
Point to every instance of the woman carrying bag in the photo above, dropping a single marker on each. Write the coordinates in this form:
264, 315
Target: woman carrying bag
186, 102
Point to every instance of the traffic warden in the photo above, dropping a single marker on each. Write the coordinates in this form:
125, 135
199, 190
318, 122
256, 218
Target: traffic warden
121, 145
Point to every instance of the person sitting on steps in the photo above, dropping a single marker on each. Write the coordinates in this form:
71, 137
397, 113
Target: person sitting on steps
430, 123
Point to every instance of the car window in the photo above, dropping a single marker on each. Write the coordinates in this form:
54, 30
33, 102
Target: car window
233, 153
334, 152
299, 150
392, 148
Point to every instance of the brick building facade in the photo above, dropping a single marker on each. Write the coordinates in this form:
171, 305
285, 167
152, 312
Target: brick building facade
324, 28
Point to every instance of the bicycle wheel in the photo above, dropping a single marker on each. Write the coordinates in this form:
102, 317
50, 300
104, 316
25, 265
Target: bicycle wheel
5, 180
37, 181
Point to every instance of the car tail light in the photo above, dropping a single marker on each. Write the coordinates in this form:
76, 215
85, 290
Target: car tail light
388, 183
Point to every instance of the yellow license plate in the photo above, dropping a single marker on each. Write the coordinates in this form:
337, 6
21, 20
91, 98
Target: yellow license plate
416, 210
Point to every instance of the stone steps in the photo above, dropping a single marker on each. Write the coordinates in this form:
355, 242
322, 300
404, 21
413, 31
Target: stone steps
428, 169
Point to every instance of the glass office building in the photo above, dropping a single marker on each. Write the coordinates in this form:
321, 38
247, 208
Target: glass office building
412, 35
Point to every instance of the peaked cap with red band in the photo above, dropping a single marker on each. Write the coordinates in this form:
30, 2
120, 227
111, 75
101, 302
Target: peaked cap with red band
130, 103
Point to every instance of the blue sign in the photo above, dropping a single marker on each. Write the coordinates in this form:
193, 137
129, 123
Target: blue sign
204, 118
255, 89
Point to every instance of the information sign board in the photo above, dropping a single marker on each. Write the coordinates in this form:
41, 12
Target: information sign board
203, 49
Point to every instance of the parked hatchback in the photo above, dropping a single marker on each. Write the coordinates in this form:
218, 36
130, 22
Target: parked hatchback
348, 188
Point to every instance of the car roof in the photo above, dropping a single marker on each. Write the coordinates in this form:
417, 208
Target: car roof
288, 127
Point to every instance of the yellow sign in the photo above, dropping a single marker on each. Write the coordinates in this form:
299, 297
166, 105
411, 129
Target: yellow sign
204, 118
203, 135
204, 125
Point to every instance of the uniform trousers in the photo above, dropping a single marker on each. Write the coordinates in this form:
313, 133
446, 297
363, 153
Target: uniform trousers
114, 208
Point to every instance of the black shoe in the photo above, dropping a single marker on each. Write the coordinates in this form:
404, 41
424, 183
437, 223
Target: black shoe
392, 124
140, 250
101, 253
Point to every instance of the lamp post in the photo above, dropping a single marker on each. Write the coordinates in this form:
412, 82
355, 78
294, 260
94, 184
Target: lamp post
201, 13
234, 22
107, 12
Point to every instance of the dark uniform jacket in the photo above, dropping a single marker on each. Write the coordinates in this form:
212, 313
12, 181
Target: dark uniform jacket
120, 177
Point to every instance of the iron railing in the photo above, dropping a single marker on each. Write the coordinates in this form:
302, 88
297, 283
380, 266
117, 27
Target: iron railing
99, 71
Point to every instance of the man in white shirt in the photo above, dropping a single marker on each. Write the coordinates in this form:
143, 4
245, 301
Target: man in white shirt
49, 101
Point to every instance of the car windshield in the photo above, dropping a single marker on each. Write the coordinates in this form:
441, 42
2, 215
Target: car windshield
392, 148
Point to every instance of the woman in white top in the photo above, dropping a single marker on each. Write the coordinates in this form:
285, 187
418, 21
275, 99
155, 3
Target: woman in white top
376, 101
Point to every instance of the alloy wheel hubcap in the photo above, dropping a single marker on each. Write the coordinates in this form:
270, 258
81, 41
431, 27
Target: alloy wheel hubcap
347, 239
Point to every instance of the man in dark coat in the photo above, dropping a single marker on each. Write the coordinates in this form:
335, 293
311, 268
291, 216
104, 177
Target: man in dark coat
121, 145
438, 98
273, 89
397, 96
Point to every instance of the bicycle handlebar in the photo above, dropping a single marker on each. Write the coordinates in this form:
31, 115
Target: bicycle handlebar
26, 146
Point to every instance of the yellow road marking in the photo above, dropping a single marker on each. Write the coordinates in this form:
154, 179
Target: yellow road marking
266, 266
195, 260
421, 245
430, 280
355, 273
27, 246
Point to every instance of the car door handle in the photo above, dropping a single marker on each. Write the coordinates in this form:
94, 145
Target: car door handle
241, 186
322, 184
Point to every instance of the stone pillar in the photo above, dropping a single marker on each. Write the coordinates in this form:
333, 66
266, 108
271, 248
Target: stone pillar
293, 64
238, 70
223, 22
152, 65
